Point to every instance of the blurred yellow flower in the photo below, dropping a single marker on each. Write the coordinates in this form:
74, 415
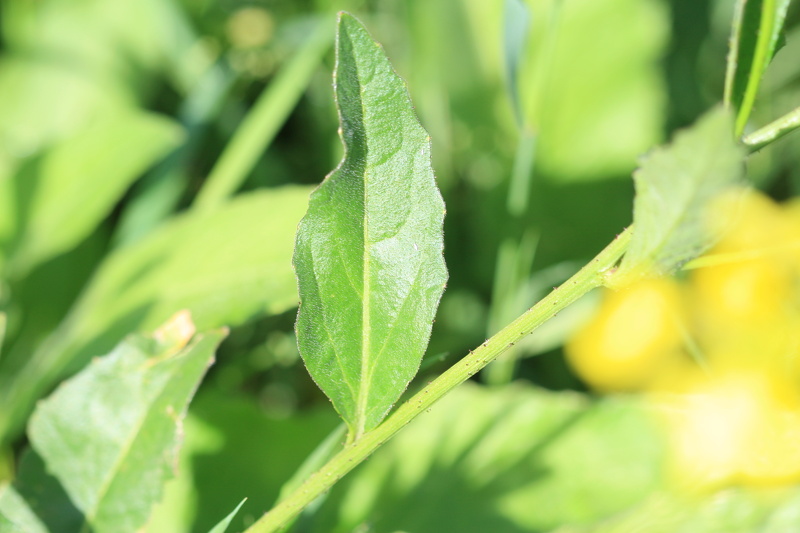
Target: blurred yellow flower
718, 350
632, 339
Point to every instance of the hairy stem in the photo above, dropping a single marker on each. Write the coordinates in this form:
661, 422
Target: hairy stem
589, 277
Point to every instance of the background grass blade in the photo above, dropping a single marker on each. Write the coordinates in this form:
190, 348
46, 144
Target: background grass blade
264, 121
757, 27
369, 251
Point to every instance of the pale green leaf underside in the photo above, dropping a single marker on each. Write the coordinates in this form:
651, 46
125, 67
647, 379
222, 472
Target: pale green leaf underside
368, 254
673, 187
111, 434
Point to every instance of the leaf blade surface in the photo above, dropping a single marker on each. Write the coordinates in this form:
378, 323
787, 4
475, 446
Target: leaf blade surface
368, 255
111, 434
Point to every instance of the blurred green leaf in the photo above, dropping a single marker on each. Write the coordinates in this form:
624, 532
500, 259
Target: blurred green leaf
111, 434
71, 188
223, 525
226, 267
16, 515
507, 460
674, 185
594, 107
757, 27
734, 510
102, 38
32, 120
369, 251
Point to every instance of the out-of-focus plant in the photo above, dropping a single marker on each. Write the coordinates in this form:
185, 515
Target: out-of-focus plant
368, 258
718, 348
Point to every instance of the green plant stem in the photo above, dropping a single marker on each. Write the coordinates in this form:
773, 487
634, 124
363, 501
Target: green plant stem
773, 131
733, 53
265, 119
592, 275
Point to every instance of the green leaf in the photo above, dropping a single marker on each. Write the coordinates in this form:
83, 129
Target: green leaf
65, 193
369, 251
111, 434
223, 525
226, 267
16, 516
504, 460
757, 27
674, 184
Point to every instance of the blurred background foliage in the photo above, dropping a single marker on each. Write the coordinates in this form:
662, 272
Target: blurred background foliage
126, 127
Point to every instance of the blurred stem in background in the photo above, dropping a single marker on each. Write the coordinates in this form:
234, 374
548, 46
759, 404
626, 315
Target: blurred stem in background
511, 292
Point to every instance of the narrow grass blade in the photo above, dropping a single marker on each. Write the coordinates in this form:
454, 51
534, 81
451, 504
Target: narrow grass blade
757, 27
263, 122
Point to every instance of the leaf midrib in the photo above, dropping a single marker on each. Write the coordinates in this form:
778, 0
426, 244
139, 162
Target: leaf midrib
363, 390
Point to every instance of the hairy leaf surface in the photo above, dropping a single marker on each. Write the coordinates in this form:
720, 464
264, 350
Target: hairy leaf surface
111, 434
368, 254
673, 187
